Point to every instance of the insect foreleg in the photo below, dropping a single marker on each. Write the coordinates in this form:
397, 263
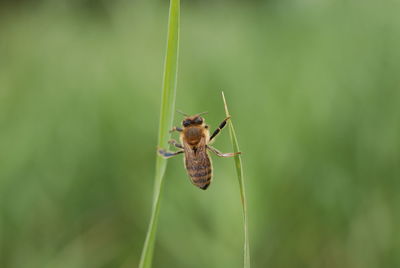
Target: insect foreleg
220, 127
176, 129
167, 154
215, 151
175, 143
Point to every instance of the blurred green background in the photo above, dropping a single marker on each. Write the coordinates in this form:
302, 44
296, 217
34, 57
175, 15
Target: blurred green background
314, 91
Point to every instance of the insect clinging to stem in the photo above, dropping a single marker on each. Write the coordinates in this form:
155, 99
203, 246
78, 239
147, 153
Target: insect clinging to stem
195, 140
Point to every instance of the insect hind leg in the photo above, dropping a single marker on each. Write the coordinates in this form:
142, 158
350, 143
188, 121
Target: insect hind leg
167, 154
215, 151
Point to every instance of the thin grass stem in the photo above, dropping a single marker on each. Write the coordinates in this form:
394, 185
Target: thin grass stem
166, 119
239, 171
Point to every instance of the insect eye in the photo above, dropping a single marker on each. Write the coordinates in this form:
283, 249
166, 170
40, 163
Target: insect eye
198, 120
186, 122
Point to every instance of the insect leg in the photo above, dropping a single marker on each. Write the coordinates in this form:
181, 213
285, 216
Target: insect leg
220, 127
175, 129
215, 151
175, 143
167, 154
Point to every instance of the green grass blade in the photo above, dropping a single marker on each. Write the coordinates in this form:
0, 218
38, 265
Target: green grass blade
239, 171
166, 119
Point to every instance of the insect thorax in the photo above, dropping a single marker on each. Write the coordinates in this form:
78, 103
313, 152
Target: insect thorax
193, 135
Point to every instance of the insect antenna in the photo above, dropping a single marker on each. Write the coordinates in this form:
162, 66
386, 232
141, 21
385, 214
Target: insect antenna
182, 113
202, 113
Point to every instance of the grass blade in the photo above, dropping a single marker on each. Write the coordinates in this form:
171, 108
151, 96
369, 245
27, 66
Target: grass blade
166, 119
239, 171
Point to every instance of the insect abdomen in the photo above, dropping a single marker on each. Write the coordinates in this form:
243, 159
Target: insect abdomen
200, 173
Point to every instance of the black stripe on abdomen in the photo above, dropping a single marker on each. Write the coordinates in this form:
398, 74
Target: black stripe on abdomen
200, 173
201, 178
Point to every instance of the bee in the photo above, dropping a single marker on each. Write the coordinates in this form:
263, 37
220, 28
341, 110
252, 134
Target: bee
195, 142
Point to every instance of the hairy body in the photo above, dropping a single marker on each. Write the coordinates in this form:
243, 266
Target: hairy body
195, 139
197, 161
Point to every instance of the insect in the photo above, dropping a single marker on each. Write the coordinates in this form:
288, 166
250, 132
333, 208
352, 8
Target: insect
195, 140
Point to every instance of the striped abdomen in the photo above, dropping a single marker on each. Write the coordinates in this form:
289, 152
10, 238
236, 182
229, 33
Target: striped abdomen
198, 166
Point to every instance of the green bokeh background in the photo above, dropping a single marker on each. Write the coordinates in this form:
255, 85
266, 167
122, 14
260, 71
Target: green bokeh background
314, 91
